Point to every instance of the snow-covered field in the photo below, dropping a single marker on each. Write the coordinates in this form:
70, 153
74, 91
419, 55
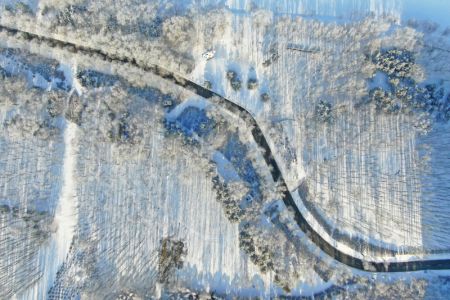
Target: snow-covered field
106, 166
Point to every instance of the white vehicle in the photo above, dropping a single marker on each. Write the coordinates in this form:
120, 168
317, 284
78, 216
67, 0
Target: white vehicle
209, 54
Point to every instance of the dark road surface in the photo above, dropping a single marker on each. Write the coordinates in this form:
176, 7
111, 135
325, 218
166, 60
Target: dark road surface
260, 139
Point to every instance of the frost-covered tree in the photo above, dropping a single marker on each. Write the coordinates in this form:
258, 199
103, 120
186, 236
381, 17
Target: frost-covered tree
230, 196
178, 32
234, 79
252, 83
171, 256
27, 113
324, 111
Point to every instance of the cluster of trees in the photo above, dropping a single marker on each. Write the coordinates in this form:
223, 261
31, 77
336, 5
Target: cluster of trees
3, 73
144, 31
127, 295
236, 83
157, 31
396, 63
230, 195
381, 288
425, 102
185, 294
431, 99
32, 112
114, 115
93, 79
384, 101
171, 257
259, 252
271, 250
20, 7
178, 32
22, 232
75, 108
264, 245
33, 222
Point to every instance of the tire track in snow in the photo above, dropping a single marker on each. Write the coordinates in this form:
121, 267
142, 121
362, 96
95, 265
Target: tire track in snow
314, 236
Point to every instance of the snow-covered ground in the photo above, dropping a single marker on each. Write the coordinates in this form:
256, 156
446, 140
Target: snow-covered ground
120, 195
31, 159
111, 185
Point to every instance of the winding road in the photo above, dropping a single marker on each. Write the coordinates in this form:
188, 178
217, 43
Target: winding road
314, 236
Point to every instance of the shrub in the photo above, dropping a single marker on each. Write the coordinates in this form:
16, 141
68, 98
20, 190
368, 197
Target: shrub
323, 111
207, 84
236, 84
252, 83
75, 109
384, 101
265, 97
234, 79
395, 62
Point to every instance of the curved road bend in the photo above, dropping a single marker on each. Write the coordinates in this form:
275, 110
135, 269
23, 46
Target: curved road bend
354, 262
